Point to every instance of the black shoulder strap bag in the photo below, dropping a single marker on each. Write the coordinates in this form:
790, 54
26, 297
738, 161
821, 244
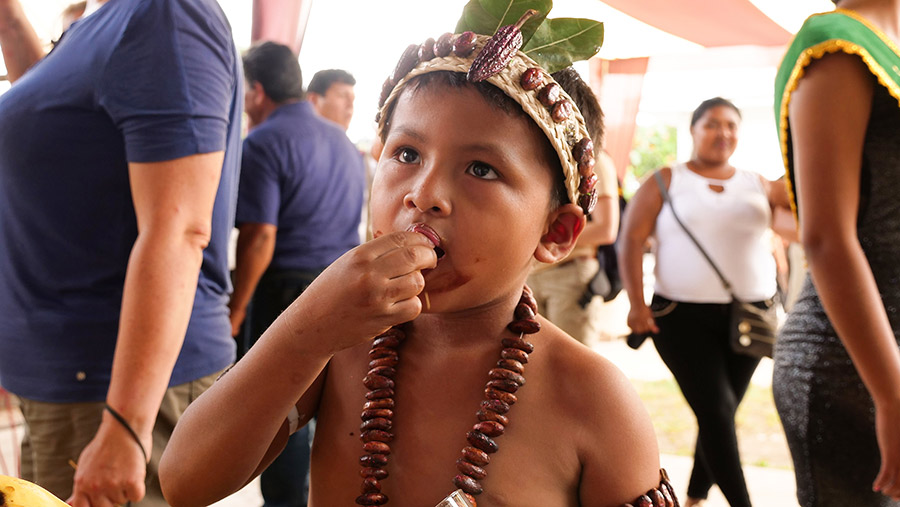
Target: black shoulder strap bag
751, 328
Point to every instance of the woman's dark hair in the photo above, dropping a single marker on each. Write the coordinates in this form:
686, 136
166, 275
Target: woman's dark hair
276, 68
708, 104
496, 98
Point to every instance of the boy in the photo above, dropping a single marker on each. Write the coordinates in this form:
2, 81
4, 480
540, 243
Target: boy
484, 192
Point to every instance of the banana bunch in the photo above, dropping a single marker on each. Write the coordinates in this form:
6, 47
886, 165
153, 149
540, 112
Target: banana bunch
21, 493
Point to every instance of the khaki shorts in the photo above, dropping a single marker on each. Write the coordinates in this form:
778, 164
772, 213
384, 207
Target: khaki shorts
58, 432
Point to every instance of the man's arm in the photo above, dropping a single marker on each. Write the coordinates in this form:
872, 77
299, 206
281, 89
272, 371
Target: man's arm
173, 201
255, 245
18, 40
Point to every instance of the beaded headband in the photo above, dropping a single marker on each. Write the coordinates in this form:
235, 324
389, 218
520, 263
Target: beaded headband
498, 61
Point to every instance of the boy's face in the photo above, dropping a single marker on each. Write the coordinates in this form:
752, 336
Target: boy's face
479, 177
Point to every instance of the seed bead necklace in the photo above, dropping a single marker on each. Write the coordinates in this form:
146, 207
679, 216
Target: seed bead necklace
504, 380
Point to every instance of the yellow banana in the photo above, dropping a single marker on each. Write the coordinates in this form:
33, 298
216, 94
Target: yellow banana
21, 493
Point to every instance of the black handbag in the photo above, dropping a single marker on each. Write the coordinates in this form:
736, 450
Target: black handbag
752, 329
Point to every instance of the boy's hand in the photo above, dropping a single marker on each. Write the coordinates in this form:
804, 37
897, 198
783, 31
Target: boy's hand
367, 290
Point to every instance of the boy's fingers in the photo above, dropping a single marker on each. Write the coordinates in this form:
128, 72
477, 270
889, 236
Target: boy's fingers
405, 287
398, 240
403, 261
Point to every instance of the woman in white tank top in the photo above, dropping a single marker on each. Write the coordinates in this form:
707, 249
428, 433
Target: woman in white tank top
729, 212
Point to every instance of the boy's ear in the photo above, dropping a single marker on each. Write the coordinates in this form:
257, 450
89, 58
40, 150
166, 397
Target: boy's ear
564, 226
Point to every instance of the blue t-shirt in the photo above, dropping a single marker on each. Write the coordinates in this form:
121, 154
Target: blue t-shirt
301, 173
136, 81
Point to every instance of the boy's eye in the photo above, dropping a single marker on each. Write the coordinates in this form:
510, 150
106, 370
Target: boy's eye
408, 156
483, 171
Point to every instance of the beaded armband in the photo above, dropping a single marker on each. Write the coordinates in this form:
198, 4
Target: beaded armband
660, 496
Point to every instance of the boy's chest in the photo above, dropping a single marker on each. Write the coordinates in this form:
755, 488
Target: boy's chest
433, 413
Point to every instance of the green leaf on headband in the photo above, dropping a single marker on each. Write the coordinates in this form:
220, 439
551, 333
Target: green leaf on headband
559, 42
486, 16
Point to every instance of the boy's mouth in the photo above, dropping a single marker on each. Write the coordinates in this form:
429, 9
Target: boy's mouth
429, 233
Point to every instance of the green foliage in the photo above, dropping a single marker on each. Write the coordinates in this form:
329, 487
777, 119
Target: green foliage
653, 147
553, 43
559, 42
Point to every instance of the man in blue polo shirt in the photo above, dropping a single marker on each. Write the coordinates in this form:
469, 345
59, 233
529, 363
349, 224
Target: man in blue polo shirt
119, 158
301, 193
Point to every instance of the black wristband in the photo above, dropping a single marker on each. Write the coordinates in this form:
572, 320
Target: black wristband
118, 417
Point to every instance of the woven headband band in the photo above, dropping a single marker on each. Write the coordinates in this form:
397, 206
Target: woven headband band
523, 80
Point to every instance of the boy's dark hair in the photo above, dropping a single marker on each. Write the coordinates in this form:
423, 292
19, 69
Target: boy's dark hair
322, 80
496, 98
276, 68
708, 104
585, 101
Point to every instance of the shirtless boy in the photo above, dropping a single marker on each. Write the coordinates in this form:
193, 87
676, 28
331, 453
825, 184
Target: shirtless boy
470, 189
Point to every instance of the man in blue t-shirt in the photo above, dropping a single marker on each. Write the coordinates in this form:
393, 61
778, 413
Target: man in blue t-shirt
299, 204
119, 159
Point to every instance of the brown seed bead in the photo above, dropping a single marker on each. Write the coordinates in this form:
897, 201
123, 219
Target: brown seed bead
583, 149
376, 447
464, 44
527, 326
375, 473
476, 456
395, 332
384, 371
523, 311
374, 413
377, 382
373, 460
587, 183
511, 365
371, 485
490, 428
549, 94
490, 415
379, 352
467, 484
561, 111
384, 361
499, 406
377, 436
379, 423
408, 60
644, 501
504, 374
379, 403
505, 385
377, 394
391, 342
372, 499
473, 471
528, 298
532, 79
443, 45
586, 166
667, 496
426, 50
514, 354
482, 441
495, 394
588, 201
518, 343
658, 499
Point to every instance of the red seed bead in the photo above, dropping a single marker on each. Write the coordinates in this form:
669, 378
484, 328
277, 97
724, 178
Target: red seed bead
490, 428
375, 447
523, 311
476, 456
481, 441
587, 184
528, 298
374, 413
561, 111
644, 501
371, 485
504, 385
377, 382
514, 354
426, 50
372, 499
443, 45
526, 326
587, 202
473, 471
379, 403
494, 394
549, 94
373, 460
583, 149
384, 371
490, 415
391, 342
504, 374
518, 343
467, 484
379, 423
384, 361
586, 166
379, 352
511, 365
658, 499
501, 407
377, 394
376, 473
464, 44
377, 436
532, 79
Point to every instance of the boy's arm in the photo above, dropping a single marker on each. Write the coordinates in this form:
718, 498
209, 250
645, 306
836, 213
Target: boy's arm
18, 40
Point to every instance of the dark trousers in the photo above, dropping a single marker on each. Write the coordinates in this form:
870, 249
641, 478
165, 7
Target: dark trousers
693, 342
285, 482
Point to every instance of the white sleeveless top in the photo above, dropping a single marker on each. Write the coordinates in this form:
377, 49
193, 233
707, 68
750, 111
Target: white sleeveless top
732, 226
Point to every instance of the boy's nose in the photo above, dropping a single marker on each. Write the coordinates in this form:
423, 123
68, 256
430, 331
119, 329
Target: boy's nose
428, 195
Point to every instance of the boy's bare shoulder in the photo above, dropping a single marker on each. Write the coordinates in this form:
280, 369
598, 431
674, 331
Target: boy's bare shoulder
611, 428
